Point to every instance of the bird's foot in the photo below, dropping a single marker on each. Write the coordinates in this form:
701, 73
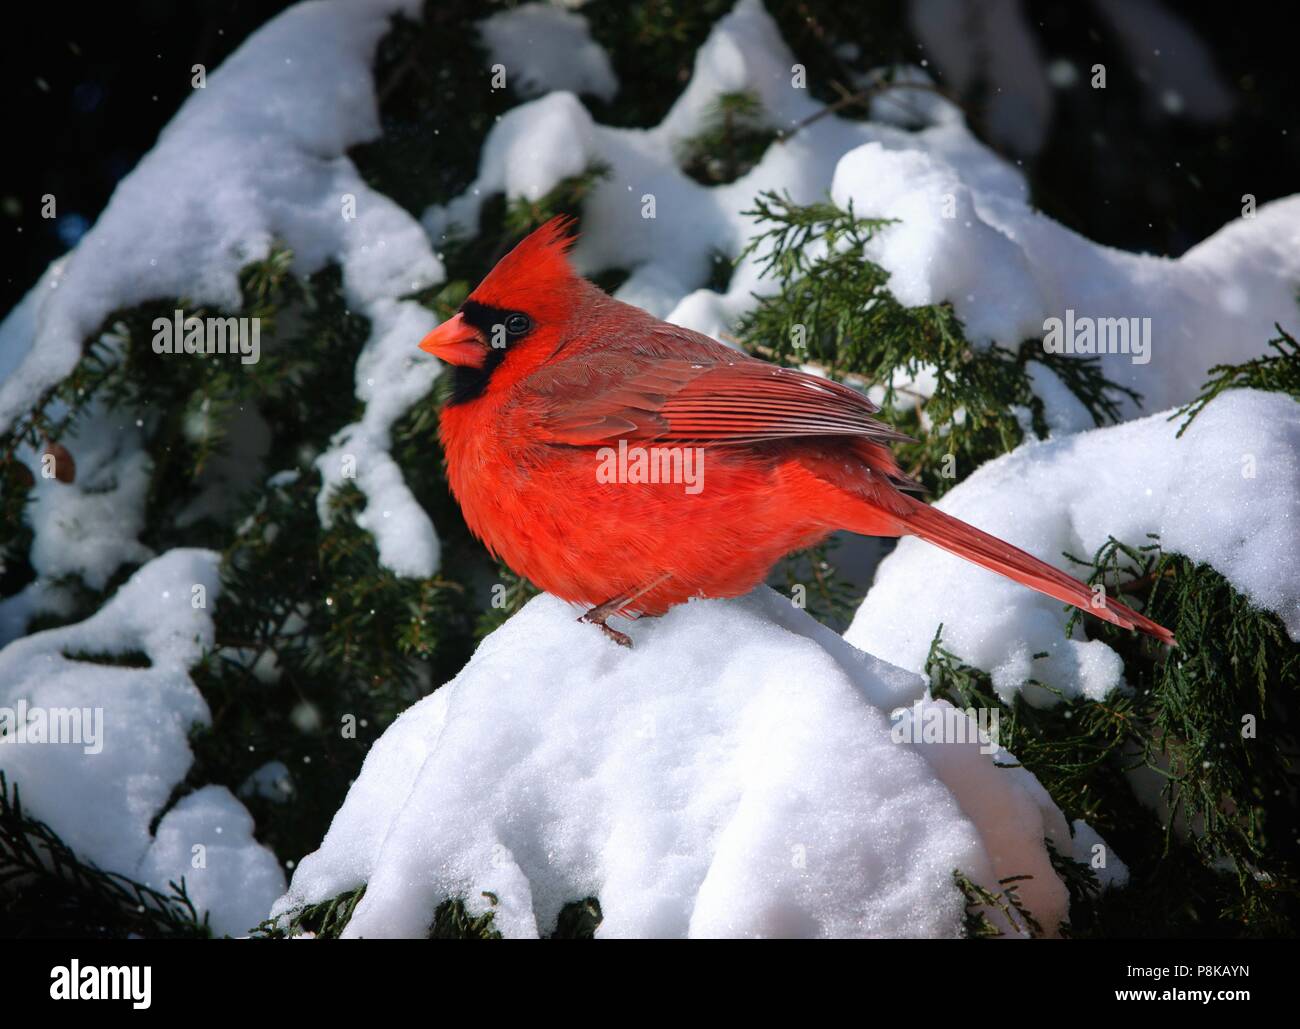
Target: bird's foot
621, 638
597, 616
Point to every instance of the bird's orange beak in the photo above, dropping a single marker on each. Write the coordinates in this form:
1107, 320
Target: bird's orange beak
456, 342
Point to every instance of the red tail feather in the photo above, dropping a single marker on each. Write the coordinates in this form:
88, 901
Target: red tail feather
955, 536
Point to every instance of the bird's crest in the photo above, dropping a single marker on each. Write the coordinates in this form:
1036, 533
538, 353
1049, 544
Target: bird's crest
537, 265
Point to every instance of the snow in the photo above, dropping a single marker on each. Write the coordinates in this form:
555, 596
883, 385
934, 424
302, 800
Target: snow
91, 526
912, 100
1007, 269
1004, 266
391, 376
544, 48
1090, 849
942, 253
1227, 493
272, 780
208, 837
256, 157
734, 774
101, 802
36, 598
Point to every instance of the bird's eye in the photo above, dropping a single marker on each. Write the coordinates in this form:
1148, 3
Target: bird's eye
517, 324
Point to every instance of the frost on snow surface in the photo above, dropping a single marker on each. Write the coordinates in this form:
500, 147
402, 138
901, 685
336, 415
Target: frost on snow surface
1227, 493
101, 781
731, 775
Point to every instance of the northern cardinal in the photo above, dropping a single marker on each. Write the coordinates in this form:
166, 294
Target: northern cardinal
553, 378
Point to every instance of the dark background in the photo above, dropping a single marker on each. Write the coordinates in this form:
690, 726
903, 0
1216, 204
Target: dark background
87, 88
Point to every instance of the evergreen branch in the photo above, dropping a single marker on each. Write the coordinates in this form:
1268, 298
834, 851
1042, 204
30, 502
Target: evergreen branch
1210, 721
731, 140
1279, 372
863, 97
46, 889
979, 901
832, 308
578, 920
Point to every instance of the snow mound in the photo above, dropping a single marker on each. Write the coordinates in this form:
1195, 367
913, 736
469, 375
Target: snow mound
734, 774
544, 48
1227, 493
1007, 268
101, 787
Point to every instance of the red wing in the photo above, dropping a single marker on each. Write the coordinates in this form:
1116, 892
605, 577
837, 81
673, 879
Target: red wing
714, 395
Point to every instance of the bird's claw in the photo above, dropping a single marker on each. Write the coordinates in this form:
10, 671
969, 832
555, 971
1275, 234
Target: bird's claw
621, 638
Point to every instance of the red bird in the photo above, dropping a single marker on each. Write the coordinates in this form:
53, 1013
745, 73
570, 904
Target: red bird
560, 391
